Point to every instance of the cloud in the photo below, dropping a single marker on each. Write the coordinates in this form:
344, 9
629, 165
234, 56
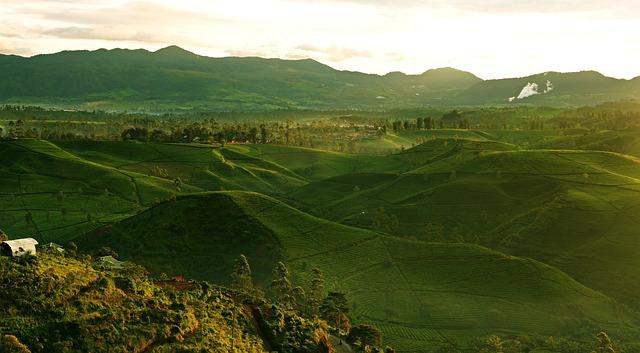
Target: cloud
9, 47
132, 14
492, 38
336, 53
103, 33
600, 8
245, 52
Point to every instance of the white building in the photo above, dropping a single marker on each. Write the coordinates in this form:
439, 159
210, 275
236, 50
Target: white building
18, 247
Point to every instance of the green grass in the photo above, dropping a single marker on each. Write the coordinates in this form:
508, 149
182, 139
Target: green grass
66, 194
576, 210
414, 291
567, 219
199, 165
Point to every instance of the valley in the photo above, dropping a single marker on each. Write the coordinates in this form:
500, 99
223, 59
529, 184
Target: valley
468, 234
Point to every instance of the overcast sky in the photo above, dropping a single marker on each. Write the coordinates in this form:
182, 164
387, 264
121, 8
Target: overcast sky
491, 38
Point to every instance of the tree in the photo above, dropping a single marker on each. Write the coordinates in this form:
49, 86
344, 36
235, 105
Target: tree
367, 335
241, 275
280, 284
493, 344
385, 222
333, 308
103, 251
604, 344
11, 344
178, 184
3, 236
300, 298
264, 134
317, 289
72, 248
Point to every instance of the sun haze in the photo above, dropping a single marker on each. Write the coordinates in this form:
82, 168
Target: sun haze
494, 39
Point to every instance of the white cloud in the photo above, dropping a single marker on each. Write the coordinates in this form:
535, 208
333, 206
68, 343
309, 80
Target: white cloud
493, 38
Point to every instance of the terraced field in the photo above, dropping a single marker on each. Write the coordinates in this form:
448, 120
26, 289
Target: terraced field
415, 291
480, 233
56, 195
576, 210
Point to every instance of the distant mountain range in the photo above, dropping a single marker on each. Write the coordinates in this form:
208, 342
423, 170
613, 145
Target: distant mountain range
173, 78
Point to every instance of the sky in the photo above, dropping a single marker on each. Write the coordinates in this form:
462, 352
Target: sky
491, 38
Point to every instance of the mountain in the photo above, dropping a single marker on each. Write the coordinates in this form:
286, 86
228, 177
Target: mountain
174, 77
551, 88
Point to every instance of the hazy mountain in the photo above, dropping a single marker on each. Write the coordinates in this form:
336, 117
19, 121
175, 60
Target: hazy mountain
551, 88
175, 78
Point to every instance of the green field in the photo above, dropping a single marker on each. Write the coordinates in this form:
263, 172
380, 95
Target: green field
415, 292
466, 234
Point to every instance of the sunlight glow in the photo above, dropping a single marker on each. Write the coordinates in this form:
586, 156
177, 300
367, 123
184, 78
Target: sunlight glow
497, 39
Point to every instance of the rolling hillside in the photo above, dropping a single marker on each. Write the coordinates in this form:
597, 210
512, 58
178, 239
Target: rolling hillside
51, 193
572, 209
415, 292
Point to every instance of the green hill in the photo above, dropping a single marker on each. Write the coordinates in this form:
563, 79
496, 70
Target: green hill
415, 292
59, 304
50, 192
571, 209
621, 141
174, 78
551, 88
201, 166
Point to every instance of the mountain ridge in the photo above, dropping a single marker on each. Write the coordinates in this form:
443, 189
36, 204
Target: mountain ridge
172, 76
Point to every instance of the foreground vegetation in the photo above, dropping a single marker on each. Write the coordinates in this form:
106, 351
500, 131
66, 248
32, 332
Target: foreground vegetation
443, 231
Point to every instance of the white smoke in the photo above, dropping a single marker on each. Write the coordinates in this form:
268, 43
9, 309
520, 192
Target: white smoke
531, 89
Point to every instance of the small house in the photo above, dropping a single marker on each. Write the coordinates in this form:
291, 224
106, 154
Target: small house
108, 263
18, 247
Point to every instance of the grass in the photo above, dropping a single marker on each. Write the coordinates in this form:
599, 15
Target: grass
414, 291
66, 194
496, 232
575, 210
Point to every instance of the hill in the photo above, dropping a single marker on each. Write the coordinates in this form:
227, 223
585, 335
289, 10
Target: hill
54, 303
551, 88
415, 292
47, 191
174, 78
571, 209
56, 191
